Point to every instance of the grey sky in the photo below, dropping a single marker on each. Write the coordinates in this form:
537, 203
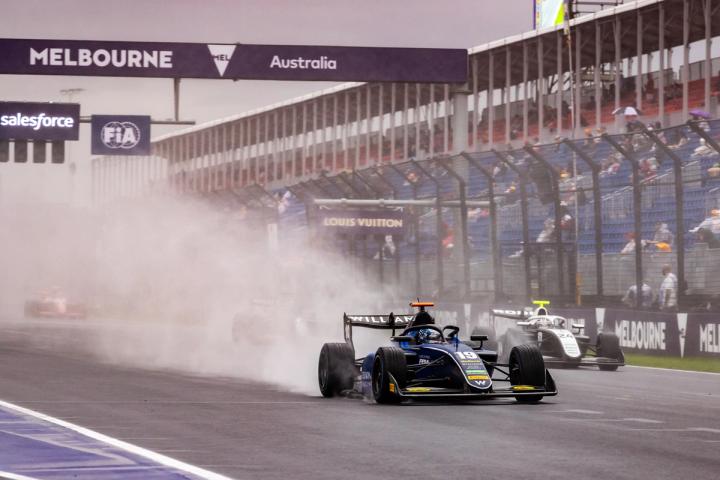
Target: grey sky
399, 23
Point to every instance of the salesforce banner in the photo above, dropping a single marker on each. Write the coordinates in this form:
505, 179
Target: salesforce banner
232, 61
120, 135
39, 121
362, 222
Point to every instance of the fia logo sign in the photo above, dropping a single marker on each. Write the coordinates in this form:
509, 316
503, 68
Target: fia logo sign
120, 135
221, 55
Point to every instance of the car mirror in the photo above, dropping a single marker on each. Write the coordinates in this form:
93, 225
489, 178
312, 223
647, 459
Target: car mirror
454, 330
478, 338
402, 338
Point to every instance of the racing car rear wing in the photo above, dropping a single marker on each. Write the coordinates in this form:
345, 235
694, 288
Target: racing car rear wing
512, 314
387, 322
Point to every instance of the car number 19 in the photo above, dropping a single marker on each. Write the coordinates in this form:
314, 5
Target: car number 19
466, 355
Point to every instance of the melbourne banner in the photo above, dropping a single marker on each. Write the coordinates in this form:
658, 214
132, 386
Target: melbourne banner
702, 334
363, 222
39, 121
120, 135
232, 61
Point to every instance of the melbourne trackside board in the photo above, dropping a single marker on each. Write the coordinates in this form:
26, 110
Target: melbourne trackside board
232, 61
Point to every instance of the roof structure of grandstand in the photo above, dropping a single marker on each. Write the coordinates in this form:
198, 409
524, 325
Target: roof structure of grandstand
549, 94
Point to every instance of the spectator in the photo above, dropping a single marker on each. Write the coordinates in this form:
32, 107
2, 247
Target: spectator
387, 249
499, 169
706, 236
646, 296
567, 222
511, 194
546, 235
612, 165
476, 214
630, 245
703, 149
412, 179
714, 171
448, 241
701, 117
676, 137
663, 238
668, 290
648, 167
711, 223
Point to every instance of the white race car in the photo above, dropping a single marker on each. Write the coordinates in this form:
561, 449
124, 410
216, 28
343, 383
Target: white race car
561, 343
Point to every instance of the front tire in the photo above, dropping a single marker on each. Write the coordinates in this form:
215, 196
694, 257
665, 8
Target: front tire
389, 361
527, 368
608, 346
336, 368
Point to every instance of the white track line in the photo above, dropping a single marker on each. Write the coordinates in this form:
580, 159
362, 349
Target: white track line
673, 370
128, 447
14, 476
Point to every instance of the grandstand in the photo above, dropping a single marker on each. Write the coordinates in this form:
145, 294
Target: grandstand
532, 117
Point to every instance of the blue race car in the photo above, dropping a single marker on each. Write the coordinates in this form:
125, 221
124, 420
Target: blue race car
427, 361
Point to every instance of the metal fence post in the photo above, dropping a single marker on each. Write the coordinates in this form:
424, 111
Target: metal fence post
597, 213
558, 219
637, 214
376, 170
494, 249
463, 223
679, 210
440, 262
522, 178
416, 226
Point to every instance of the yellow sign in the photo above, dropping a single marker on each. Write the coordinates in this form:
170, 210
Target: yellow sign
523, 387
478, 377
392, 387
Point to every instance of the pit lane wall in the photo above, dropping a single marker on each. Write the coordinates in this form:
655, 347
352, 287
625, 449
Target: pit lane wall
657, 333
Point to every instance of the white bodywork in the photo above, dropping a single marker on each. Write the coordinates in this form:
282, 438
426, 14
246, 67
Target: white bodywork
553, 325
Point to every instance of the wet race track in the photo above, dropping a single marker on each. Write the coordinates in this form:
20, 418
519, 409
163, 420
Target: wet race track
635, 423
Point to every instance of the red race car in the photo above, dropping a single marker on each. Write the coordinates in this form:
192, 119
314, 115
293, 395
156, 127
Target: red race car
53, 304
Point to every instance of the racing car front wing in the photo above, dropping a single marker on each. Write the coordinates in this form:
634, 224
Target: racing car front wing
583, 362
548, 390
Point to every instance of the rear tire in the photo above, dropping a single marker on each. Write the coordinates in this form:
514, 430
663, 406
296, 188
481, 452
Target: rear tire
608, 345
336, 368
388, 361
527, 367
